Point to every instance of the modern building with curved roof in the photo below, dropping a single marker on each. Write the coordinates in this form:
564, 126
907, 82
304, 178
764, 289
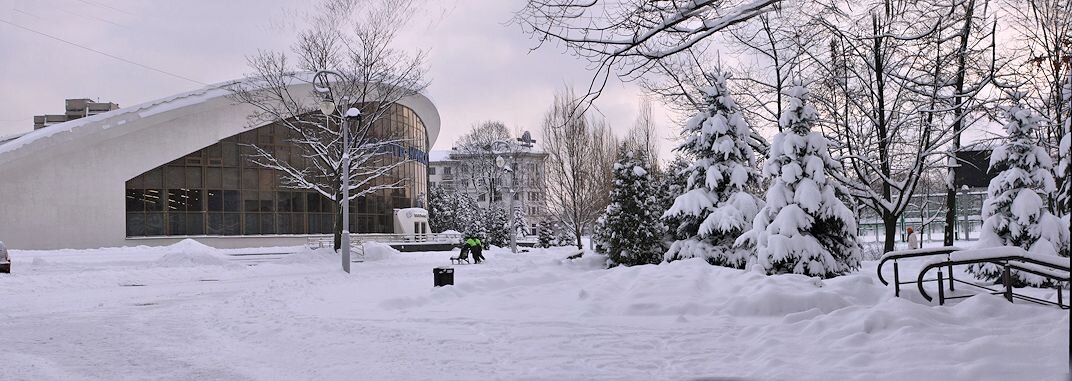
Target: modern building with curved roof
176, 168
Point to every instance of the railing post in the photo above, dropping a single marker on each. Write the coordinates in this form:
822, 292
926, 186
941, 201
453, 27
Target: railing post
896, 280
951, 288
1007, 277
1060, 298
941, 289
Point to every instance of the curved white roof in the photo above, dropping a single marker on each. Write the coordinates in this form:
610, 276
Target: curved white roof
214, 92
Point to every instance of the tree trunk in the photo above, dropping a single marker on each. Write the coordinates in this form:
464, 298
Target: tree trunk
337, 219
958, 126
950, 216
889, 221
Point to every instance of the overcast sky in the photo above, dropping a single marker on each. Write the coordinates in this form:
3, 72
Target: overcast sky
481, 66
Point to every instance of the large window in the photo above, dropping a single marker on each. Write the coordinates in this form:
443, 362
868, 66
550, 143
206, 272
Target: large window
219, 191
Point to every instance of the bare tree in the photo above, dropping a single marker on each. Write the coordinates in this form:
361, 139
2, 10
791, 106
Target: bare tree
884, 135
478, 150
356, 43
578, 173
776, 44
1044, 30
631, 36
644, 136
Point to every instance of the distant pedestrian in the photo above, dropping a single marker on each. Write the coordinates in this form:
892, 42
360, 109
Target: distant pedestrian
913, 239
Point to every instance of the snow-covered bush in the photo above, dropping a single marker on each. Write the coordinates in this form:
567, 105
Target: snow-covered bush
1014, 213
629, 232
715, 207
546, 234
803, 228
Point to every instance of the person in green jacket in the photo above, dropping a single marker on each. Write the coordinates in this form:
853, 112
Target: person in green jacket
476, 247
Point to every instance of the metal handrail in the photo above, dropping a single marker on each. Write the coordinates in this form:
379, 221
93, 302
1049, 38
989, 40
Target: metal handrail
1009, 262
895, 255
905, 254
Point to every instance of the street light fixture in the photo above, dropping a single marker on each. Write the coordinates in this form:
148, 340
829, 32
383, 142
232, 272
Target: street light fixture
328, 108
501, 164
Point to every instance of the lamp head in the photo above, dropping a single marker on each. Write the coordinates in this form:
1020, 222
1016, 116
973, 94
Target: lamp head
327, 106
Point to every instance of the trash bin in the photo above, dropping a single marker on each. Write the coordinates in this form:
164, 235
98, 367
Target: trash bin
444, 276
5, 262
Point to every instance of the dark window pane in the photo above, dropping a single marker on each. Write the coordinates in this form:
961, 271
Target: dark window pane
215, 201
251, 225
214, 178
195, 199
230, 154
175, 177
266, 201
194, 177
135, 224
267, 179
214, 224
134, 200
154, 224
231, 224
195, 223
249, 179
153, 200
230, 178
154, 178
177, 223
267, 223
250, 202
314, 202
230, 200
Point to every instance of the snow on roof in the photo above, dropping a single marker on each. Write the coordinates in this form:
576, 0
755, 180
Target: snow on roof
439, 155
142, 110
145, 110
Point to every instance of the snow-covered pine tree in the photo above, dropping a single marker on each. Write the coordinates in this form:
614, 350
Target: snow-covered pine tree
469, 215
1014, 213
442, 210
671, 183
496, 226
546, 234
629, 232
803, 228
715, 207
520, 222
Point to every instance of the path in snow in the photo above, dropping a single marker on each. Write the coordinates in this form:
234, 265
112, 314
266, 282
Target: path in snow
68, 316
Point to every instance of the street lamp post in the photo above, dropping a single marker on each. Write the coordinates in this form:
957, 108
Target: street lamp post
328, 107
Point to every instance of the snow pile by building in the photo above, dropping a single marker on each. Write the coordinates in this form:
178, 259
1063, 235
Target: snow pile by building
189, 253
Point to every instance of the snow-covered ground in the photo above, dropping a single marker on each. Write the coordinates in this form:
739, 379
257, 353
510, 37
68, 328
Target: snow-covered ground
189, 312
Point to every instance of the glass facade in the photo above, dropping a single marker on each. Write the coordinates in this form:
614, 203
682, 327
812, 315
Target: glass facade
218, 191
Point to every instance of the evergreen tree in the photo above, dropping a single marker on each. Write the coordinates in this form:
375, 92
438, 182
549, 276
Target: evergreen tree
672, 183
546, 234
442, 211
520, 222
629, 232
803, 228
1014, 213
496, 227
715, 207
469, 215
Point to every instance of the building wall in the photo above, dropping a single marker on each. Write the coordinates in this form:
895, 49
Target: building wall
527, 181
64, 186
